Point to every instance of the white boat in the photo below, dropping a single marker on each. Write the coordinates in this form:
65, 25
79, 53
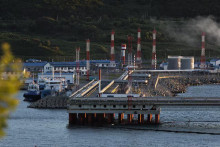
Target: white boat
42, 83
33, 92
54, 85
64, 83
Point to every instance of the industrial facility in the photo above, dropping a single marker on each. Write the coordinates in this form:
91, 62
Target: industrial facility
97, 97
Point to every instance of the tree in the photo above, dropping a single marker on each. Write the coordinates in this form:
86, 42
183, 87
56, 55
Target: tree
9, 84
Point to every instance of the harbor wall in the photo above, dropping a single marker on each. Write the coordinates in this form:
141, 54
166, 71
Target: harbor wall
165, 87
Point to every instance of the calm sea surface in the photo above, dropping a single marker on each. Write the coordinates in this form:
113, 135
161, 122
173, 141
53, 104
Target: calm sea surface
36, 127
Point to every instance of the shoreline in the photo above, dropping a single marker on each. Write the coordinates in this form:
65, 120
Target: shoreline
165, 87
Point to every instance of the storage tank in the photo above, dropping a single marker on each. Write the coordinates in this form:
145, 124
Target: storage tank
174, 62
187, 63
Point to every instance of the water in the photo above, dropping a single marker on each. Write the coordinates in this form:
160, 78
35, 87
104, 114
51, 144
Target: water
29, 127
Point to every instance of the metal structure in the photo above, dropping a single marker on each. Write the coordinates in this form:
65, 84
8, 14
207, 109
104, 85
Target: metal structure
77, 67
139, 61
174, 62
123, 48
88, 58
129, 91
112, 46
203, 62
130, 38
180, 63
134, 61
154, 58
187, 63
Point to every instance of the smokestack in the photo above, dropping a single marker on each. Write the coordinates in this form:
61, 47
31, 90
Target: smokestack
123, 48
139, 47
203, 62
154, 58
88, 57
77, 67
112, 46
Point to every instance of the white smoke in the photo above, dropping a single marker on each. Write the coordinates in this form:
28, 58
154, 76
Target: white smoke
190, 31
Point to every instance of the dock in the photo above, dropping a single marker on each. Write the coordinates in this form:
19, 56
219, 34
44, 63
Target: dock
100, 110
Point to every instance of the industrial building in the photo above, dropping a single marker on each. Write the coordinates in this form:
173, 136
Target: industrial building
34, 66
64, 67
180, 63
215, 63
104, 63
69, 77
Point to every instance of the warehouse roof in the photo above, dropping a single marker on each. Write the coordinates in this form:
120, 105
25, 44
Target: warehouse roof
34, 64
214, 60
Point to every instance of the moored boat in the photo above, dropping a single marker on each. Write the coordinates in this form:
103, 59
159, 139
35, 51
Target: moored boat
33, 93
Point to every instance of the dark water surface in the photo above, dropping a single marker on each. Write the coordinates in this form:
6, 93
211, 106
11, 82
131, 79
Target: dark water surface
29, 127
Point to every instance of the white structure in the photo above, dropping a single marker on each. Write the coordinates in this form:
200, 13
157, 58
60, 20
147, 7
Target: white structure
215, 62
69, 77
164, 66
64, 67
54, 84
203, 61
103, 63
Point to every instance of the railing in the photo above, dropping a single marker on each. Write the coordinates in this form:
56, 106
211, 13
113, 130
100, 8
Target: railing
158, 101
81, 88
106, 87
90, 88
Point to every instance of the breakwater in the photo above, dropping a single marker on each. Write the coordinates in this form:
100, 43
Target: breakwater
172, 86
51, 102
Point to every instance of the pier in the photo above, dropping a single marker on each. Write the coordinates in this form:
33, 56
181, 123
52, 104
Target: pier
89, 111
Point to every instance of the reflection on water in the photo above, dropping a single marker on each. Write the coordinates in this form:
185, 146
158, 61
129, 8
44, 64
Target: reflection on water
30, 127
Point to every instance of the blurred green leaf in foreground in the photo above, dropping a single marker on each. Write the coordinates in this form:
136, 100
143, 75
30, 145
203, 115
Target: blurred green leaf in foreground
10, 76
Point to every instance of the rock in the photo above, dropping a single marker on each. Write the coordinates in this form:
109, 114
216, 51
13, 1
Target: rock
58, 102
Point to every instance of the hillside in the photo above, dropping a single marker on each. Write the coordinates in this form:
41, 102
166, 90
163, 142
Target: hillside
52, 29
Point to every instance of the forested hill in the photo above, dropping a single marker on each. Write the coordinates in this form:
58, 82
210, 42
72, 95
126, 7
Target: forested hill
32, 9
55, 27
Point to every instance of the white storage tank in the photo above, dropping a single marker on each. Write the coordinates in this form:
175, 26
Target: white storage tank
187, 63
174, 62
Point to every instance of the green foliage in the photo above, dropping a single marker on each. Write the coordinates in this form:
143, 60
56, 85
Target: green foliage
10, 72
56, 27
30, 45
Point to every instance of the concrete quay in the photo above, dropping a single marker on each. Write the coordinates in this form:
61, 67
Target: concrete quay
89, 111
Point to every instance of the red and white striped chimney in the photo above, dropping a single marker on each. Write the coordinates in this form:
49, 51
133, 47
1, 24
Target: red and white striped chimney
154, 58
139, 47
203, 64
77, 67
87, 57
123, 48
112, 46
